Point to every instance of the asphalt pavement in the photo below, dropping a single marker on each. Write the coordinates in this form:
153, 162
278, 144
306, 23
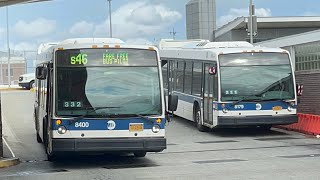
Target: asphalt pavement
221, 154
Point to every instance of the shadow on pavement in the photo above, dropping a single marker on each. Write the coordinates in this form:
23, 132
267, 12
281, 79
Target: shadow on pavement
116, 161
233, 132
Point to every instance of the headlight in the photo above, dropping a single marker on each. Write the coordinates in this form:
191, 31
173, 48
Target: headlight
224, 110
62, 130
290, 108
156, 128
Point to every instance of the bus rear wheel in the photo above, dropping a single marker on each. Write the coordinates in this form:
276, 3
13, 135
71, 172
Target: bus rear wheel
197, 120
140, 154
266, 127
39, 140
52, 157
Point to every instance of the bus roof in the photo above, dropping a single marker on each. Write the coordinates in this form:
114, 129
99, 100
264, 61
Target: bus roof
78, 43
200, 44
209, 50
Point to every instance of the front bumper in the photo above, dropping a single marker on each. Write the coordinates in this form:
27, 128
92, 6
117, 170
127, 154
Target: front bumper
24, 84
109, 145
258, 120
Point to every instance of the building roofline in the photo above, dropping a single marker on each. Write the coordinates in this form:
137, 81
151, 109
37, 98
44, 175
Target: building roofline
270, 22
302, 38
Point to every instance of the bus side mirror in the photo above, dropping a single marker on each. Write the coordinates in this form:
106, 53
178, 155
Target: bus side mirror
173, 102
299, 89
41, 73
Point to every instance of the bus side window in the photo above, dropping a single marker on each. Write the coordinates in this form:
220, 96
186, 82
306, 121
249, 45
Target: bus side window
171, 74
165, 75
180, 76
197, 79
188, 77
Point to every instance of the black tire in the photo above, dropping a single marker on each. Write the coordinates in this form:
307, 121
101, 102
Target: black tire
44, 134
265, 127
140, 154
197, 120
31, 85
52, 157
39, 140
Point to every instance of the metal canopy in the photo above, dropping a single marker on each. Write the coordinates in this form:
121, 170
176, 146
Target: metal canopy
12, 2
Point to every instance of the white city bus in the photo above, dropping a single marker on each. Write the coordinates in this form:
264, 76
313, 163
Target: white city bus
99, 95
227, 84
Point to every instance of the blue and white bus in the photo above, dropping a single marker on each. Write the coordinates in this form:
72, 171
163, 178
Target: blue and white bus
99, 95
229, 84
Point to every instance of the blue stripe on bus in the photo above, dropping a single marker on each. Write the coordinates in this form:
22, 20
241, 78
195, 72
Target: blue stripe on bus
252, 105
265, 105
120, 124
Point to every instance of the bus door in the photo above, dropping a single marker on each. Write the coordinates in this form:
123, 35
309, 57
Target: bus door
208, 93
170, 77
49, 91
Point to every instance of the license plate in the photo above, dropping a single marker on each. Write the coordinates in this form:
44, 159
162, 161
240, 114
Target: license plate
135, 127
277, 108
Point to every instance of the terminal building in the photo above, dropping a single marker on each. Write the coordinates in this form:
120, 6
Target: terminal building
18, 67
299, 35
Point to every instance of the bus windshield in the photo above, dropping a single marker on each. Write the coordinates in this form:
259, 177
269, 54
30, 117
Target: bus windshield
256, 76
116, 89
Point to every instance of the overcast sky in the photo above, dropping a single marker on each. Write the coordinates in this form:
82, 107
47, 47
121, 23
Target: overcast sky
133, 20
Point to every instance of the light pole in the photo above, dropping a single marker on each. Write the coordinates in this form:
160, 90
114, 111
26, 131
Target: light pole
110, 18
8, 45
251, 24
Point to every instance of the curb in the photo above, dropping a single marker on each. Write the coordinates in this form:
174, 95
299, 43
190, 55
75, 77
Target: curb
10, 89
8, 162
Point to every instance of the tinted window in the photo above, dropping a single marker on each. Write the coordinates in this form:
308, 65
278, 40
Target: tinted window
197, 78
180, 76
188, 78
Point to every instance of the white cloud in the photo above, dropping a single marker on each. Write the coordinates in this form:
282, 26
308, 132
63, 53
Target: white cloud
37, 28
139, 19
234, 13
82, 28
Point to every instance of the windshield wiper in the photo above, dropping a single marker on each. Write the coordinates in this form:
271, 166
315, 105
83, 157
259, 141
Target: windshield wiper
246, 99
76, 119
141, 116
275, 99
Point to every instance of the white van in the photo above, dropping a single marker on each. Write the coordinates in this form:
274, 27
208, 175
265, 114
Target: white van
27, 80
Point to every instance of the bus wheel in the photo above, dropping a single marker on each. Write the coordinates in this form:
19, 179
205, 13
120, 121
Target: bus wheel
140, 154
52, 157
39, 140
44, 133
31, 85
197, 120
265, 127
